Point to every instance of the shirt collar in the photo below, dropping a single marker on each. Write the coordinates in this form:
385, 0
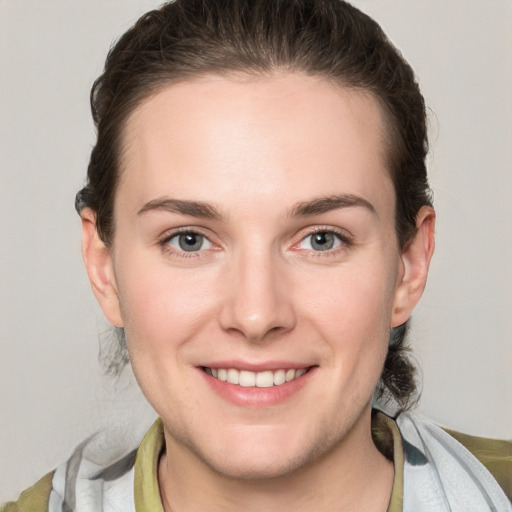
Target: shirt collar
146, 490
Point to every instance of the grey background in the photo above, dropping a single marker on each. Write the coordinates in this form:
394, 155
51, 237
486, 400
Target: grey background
52, 393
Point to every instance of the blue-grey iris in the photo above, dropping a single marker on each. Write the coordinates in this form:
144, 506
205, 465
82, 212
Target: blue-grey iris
322, 241
190, 241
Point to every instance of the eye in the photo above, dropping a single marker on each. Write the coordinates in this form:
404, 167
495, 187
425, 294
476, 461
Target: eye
189, 242
321, 241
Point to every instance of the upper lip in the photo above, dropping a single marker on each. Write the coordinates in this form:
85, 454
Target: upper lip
256, 366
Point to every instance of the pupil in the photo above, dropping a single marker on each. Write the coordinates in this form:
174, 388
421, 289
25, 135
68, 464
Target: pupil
190, 242
323, 241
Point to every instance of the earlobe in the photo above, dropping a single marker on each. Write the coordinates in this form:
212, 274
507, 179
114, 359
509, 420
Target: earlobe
415, 260
98, 263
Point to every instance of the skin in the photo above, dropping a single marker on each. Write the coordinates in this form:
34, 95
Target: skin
254, 150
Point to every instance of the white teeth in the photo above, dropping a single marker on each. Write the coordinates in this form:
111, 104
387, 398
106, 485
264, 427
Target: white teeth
279, 377
247, 379
264, 379
233, 376
290, 375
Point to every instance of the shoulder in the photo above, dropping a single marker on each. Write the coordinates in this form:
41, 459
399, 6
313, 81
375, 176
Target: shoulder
456, 469
494, 454
103, 469
34, 499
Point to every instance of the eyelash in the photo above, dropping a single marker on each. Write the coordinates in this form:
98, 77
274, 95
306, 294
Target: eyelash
164, 243
342, 237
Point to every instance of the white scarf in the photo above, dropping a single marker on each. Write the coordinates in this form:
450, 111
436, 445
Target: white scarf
440, 475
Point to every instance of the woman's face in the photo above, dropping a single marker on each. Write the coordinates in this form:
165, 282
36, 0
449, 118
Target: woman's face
255, 241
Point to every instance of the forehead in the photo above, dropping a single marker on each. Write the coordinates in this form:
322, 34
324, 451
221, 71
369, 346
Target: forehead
249, 136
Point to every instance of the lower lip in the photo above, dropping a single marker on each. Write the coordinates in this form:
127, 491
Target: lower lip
254, 396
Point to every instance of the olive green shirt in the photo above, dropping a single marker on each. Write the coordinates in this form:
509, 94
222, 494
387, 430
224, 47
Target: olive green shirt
495, 455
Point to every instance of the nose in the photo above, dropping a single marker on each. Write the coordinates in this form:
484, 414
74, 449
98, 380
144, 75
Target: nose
257, 301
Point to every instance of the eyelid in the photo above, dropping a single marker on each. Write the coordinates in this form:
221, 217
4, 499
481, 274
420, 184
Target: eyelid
169, 233
175, 241
343, 236
163, 242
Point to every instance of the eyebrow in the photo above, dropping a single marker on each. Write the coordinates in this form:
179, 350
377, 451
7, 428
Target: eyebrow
204, 210
327, 204
193, 208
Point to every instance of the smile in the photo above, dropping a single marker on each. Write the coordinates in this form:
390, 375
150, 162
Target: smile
248, 379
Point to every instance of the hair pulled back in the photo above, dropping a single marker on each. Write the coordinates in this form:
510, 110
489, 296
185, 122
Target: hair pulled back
332, 39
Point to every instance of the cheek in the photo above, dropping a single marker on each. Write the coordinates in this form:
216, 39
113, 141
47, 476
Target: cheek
164, 311
162, 307
351, 300
352, 311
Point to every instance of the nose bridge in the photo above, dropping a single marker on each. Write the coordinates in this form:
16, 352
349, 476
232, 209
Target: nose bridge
255, 302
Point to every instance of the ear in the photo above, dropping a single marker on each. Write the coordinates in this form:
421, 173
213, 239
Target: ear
98, 262
415, 263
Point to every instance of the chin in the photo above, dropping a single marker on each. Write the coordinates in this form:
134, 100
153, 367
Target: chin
268, 457
262, 468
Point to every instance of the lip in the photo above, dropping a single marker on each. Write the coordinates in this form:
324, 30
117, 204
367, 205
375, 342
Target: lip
257, 367
254, 397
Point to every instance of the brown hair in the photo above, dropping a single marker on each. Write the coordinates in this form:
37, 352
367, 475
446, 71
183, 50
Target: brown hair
326, 38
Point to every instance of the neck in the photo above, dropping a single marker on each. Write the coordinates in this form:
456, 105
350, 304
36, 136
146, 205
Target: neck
354, 475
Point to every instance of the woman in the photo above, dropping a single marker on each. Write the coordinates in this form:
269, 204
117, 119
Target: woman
257, 223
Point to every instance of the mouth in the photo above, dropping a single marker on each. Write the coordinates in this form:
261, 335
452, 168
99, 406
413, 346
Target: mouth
262, 379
